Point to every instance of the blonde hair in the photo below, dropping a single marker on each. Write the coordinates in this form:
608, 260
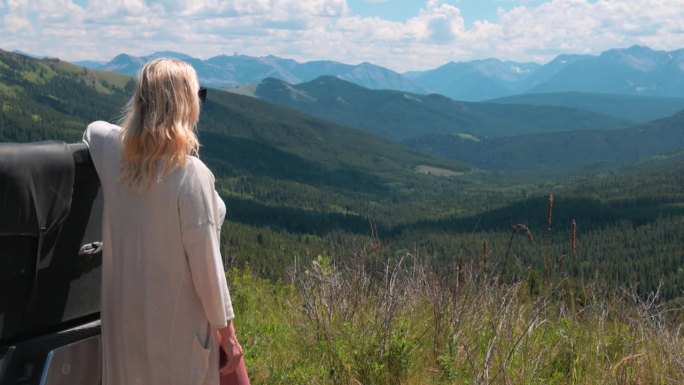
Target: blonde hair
158, 126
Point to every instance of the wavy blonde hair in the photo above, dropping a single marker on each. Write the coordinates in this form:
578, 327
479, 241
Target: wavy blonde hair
159, 122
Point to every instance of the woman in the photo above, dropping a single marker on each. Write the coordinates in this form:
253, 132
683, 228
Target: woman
164, 291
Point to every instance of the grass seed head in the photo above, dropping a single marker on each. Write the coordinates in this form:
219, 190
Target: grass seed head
573, 237
549, 212
526, 230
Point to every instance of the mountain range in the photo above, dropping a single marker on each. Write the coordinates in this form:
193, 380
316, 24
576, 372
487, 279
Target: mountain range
227, 71
523, 132
637, 70
401, 115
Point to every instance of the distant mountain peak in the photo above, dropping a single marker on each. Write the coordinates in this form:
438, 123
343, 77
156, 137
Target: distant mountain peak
330, 80
273, 81
639, 46
124, 59
282, 89
489, 60
640, 50
566, 57
635, 50
171, 54
121, 56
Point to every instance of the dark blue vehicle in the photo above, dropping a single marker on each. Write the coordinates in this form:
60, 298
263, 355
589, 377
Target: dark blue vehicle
50, 265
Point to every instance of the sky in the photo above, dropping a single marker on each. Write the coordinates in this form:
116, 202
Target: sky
401, 35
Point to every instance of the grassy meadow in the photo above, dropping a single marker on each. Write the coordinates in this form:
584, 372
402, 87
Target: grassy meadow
399, 322
377, 312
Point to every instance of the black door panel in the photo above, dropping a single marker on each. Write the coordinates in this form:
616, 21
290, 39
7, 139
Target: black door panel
43, 295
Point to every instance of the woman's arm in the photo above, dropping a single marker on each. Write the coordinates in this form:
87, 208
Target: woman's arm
200, 240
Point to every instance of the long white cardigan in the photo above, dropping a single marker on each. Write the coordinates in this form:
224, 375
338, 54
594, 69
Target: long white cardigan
163, 284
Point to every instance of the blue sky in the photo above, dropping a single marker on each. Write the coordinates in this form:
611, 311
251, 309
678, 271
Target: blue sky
402, 10
471, 10
396, 10
399, 34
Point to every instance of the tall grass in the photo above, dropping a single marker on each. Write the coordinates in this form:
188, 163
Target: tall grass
388, 318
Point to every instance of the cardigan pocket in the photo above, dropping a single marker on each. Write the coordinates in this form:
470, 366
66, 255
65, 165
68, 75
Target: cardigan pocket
199, 361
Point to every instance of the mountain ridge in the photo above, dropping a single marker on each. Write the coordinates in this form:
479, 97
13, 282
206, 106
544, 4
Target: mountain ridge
400, 115
224, 71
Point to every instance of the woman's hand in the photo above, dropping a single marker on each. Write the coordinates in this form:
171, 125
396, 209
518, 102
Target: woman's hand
232, 347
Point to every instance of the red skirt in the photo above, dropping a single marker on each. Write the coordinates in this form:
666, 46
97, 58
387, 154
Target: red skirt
239, 376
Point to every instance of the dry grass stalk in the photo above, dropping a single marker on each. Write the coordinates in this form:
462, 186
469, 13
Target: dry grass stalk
549, 212
485, 253
377, 245
651, 312
573, 237
393, 294
617, 366
516, 228
549, 240
560, 265
526, 331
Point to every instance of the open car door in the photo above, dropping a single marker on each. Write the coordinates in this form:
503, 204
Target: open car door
50, 264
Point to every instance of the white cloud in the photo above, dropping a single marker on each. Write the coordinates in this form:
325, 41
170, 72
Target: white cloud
267, 8
108, 11
581, 26
17, 22
325, 29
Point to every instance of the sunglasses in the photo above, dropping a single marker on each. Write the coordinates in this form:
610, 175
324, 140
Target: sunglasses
202, 94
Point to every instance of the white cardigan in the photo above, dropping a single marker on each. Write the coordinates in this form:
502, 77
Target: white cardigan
163, 285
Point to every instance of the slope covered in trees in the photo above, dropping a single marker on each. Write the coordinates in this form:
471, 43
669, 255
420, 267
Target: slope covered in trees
561, 150
51, 99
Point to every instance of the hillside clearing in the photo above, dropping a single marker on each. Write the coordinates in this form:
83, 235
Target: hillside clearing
437, 171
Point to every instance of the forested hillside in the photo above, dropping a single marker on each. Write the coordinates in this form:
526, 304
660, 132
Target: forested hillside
561, 150
51, 99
